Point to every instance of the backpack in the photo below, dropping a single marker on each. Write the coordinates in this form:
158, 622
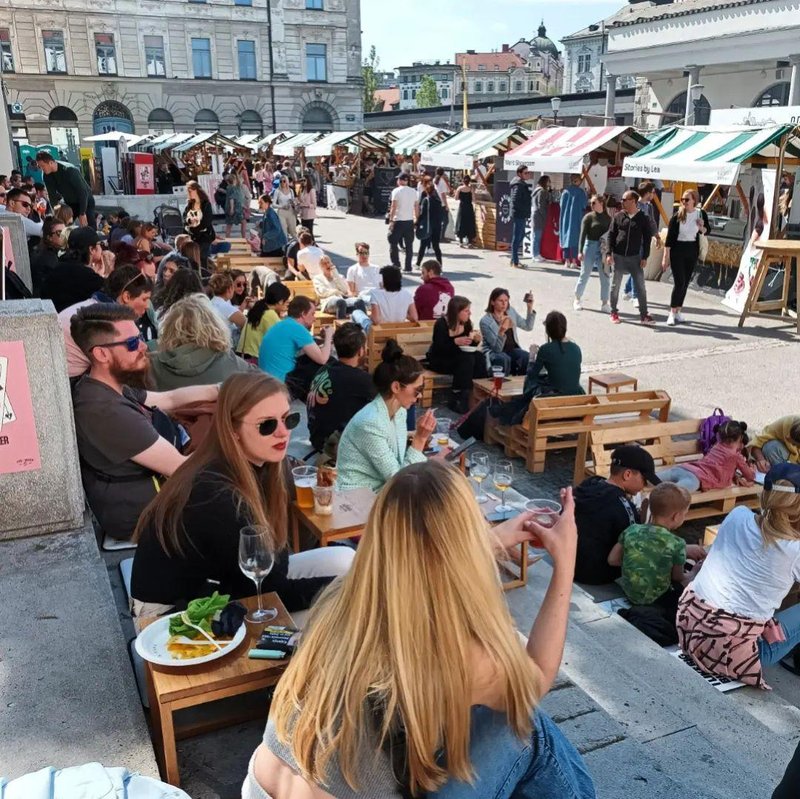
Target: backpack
708, 429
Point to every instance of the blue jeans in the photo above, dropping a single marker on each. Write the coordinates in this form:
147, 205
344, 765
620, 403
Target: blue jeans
537, 242
517, 236
360, 318
592, 259
630, 288
775, 452
790, 621
513, 363
544, 766
681, 477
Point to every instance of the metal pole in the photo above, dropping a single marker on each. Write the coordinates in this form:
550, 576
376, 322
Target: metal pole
271, 67
465, 117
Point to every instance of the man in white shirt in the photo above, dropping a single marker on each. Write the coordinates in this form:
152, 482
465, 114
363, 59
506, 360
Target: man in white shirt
308, 256
19, 202
403, 213
333, 291
363, 277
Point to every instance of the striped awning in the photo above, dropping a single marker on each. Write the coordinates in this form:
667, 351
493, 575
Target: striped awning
270, 138
559, 149
356, 139
287, 147
707, 155
416, 138
459, 151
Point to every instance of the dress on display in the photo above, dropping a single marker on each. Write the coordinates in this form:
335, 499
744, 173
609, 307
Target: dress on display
573, 207
465, 218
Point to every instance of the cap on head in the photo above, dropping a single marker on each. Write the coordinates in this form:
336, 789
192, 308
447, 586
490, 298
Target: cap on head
82, 237
403, 177
789, 472
631, 456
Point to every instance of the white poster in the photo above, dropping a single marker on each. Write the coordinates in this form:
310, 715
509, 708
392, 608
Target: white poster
759, 188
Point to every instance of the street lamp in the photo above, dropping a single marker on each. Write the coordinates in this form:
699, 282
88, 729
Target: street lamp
555, 104
695, 93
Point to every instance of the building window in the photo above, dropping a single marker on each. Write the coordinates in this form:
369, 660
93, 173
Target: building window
5, 50
537, 85
497, 67
55, 55
676, 111
316, 62
478, 86
530, 85
247, 59
584, 63
490, 86
243, 2
405, 94
314, 5
154, 56
775, 95
517, 85
201, 58
413, 94
106, 53
481, 67
444, 93
503, 87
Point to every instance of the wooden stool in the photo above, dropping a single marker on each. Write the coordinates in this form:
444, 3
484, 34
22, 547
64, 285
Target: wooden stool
613, 381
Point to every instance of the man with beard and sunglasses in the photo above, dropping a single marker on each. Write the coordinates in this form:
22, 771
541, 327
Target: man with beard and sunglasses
126, 441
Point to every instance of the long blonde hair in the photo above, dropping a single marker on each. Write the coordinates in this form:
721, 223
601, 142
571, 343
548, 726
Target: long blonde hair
399, 634
682, 210
193, 320
263, 500
780, 515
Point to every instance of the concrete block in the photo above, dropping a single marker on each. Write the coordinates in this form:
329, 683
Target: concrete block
68, 693
19, 243
592, 731
50, 498
567, 703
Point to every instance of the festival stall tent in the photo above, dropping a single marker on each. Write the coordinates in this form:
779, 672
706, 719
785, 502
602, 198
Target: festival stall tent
286, 148
269, 140
202, 157
719, 156
353, 140
408, 141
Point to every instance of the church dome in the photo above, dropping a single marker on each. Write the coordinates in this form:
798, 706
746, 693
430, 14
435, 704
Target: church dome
544, 45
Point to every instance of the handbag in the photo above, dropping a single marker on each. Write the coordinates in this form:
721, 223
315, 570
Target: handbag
702, 244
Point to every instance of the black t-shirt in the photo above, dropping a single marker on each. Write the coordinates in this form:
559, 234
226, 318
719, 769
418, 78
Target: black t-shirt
602, 512
70, 282
338, 392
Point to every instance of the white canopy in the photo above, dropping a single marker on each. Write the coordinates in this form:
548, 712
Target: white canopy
115, 135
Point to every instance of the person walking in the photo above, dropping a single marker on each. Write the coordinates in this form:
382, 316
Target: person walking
573, 206
521, 199
542, 197
466, 230
629, 248
285, 205
682, 250
234, 206
593, 227
403, 215
646, 192
198, 220
429, 222
308, 204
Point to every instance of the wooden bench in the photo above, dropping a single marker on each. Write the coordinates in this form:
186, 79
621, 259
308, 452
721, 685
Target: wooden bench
670, 444
564, 422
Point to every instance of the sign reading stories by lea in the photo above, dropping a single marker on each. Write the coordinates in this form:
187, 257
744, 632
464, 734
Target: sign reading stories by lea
19, 447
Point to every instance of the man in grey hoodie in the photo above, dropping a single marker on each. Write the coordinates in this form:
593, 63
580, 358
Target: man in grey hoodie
540, 203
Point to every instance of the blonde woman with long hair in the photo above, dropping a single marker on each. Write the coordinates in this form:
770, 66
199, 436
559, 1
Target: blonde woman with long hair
194, 346
727, 618
682, 249
411, 678
189, 534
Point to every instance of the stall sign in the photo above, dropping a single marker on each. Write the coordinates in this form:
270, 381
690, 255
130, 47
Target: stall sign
144, 178
19, 446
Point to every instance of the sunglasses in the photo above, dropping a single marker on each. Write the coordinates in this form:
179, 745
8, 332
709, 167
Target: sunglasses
269, 426
24, 204
131, 344
363, 252
687, 199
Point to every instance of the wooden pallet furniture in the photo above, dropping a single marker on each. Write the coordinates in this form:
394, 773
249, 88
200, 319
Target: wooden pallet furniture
613, 381
670, 444
564, 422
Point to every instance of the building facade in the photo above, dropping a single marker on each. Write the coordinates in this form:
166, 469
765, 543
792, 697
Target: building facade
139, 66
410, 78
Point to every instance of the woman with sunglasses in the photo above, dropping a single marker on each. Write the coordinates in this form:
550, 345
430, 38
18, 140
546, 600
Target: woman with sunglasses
285, 205
374, 445
189, 534
682, 250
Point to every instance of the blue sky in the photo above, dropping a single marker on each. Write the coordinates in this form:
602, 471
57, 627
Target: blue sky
421, 30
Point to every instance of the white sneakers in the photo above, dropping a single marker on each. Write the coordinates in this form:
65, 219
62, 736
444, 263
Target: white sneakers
576, 305
605, 308
679, 317
671, 320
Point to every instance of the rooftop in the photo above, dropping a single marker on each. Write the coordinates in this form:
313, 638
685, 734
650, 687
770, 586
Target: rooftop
504, 61
680, 8
618, 17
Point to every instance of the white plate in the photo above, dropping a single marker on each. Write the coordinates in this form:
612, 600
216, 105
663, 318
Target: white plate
152, 645
468, 349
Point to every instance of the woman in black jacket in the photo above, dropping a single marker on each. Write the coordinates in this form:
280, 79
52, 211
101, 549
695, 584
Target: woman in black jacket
682, 249
451, 332
429, 224
198, 219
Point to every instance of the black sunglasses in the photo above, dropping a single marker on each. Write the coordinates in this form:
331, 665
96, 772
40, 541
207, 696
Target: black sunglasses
269, 426
131, 344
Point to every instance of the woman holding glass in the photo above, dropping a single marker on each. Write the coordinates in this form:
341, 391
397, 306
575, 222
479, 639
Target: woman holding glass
190, 533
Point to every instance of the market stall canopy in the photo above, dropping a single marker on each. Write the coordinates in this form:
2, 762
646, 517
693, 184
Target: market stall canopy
560, 149
213, 138
704, 154
129, 138
417, 138
287, 147
459, 151
171, 140
270, 139
247, 139
358, 139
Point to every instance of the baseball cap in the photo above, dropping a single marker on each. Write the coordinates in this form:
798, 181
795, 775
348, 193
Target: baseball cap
403, 176
82, 237
783, 471
631, 456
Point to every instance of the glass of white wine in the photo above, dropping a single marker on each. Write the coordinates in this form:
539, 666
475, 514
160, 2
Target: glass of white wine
503, 477
479, 471
256, 559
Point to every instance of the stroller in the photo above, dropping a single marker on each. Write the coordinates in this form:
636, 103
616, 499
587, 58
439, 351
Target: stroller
169, 221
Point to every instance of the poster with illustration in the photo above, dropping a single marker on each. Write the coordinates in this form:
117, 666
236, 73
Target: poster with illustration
19, 447
758, 185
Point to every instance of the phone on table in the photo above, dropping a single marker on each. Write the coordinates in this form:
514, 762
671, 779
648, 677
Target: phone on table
456, 453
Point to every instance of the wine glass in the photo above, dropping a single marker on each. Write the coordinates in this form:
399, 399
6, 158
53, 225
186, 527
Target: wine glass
256, 559
503, 477
442, 431
479, 471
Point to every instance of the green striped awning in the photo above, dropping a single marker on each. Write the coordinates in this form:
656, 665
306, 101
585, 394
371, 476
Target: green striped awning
707, 155
459, 151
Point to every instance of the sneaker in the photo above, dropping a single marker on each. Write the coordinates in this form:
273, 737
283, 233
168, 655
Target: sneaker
679, 317
605, 308
648, 320
627, 296
538, 259
615, 317
671, 319
576, 305
632, 298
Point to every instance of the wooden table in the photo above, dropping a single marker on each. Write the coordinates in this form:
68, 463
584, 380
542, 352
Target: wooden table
613, 381
511, 388
171, 689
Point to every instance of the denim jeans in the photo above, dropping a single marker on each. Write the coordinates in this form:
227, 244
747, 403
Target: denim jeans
630, 288
544, 766
775, 452
513, 363
680, 476
629, 264
517, 236
790, 621
360, 318
592, 259
538, 233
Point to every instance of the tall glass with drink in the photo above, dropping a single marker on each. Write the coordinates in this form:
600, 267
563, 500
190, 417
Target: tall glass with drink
305, 478
546, 513
443, 432
503, 477
479, 471
497, 378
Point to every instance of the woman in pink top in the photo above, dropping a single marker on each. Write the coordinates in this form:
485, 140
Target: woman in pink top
308, 205
719, 467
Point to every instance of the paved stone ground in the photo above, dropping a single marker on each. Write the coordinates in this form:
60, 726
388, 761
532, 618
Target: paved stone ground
631, 752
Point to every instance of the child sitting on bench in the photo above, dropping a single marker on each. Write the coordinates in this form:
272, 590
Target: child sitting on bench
719, 466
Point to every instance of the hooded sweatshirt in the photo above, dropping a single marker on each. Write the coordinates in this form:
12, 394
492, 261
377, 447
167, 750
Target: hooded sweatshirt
432, 297
602, 511
520, 196
190, 365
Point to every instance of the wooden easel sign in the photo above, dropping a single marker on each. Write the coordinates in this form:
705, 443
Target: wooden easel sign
786, 252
